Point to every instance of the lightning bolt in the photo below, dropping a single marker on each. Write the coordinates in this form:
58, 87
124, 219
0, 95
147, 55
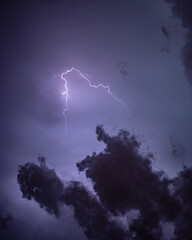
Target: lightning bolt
85, 77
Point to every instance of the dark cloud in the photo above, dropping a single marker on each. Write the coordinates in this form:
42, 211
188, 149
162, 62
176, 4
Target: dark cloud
91, 214
183, 192
124, 181
43, 185
183, 9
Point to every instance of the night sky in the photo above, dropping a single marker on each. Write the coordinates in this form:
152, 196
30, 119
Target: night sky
142, 50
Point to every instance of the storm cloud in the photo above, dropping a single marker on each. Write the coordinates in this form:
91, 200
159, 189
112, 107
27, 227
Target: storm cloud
183, 192
44, 186
123, 180
183, 9
40, 40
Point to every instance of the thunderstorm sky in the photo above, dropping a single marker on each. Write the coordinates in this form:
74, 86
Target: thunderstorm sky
132, 46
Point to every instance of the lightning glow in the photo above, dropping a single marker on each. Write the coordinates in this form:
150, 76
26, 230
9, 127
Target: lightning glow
85, 77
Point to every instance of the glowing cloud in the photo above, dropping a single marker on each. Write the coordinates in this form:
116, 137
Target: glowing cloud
84, 77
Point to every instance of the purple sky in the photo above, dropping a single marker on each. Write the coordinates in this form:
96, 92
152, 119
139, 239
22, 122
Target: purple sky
41, 39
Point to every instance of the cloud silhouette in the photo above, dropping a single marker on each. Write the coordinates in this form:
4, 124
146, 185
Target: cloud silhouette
40, 183
183, 9
124, 181
183, 192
